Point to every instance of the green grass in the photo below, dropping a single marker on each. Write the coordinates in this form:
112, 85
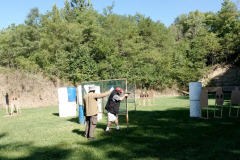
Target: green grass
163, 131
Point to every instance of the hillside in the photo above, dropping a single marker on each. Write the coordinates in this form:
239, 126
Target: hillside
34, 90
222, 76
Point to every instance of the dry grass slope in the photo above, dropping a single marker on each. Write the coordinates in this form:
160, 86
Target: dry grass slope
34, 90
222, 75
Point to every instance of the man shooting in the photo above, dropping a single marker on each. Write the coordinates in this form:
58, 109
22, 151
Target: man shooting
112, 107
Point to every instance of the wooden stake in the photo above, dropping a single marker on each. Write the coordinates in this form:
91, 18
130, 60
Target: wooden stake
203, 97
234, 100
237, 110
102, 100
135, 97
230, 110
221, 110
214, 109
127, 107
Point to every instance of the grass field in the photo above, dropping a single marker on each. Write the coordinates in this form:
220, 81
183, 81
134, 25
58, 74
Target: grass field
163, 131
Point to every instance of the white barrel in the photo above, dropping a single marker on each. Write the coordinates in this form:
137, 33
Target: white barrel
67, 109
194, 108
79, 95
195, 89
63, 109
62, 95
71, 109
99, 116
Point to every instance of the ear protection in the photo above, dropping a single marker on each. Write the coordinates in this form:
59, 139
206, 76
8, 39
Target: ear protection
119, 89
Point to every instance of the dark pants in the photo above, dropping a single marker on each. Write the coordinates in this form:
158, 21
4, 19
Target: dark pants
90, 126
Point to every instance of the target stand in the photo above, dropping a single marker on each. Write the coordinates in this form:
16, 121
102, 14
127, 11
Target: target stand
235, 99
203, 97
219, 99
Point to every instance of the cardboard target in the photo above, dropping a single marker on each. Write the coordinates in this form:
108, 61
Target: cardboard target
235, 99
146, 95
235, 96
151, 94
219, 98
14, 99
203, 99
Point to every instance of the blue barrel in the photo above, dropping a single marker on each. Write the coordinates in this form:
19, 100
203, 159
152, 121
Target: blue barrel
71, 94
194, 108
81, 116
195, 89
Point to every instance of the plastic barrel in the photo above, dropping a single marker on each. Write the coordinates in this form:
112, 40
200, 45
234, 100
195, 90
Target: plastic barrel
81, 116
71, 110
195, 89
62, 95
63, 109
71, 94
194, 108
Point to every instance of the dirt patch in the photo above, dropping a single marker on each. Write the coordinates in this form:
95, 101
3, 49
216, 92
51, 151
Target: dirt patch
222, 75
33, 90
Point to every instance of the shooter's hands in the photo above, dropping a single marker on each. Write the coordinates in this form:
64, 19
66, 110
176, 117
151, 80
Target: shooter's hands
126, 95
111, 89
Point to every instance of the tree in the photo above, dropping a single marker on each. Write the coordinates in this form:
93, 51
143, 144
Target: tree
81, 5
33, 18
188, 25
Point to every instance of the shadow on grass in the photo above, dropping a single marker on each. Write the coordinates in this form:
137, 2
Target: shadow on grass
41, 153
166, 134
77, 131
171, 134
74, 119
3, 135
56, 114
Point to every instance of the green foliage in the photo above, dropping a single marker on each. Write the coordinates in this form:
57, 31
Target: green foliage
78, 64
26, 64
79, 44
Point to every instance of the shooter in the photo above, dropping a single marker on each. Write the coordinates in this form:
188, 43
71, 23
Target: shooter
112, 107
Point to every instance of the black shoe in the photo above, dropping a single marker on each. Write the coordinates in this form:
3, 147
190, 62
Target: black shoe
108, 131
92, 138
